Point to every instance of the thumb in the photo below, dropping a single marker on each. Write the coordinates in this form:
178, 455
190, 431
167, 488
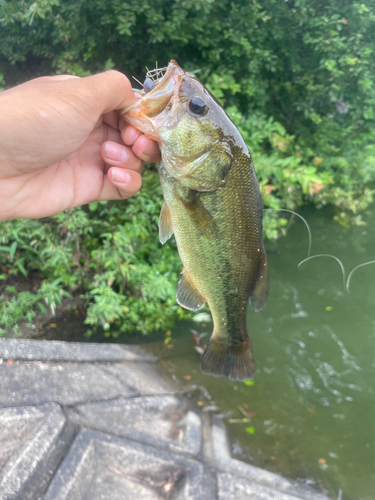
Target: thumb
105, 92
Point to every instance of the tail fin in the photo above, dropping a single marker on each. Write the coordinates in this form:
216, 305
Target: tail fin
224, 360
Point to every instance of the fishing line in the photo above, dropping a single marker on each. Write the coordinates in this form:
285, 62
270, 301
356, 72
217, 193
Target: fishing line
149, 74
310, 243
346, 282
357, 267
157, 73
304, 220
327, 255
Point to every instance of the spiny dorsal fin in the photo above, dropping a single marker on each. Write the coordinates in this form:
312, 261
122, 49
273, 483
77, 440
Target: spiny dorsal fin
201, 217
258, 297
187, 295
165, 224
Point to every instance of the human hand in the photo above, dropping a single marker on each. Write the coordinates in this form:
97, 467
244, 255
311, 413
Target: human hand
62, 144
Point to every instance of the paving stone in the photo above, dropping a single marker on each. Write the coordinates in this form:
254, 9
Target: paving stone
29, 449
257, 476
142, 377
71, 383
54, 350
192, 428
132, 470
232, 487
161, 421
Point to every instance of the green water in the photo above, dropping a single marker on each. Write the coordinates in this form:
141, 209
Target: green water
312, 403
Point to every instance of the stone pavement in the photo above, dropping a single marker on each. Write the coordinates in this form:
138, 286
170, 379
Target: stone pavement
96, 421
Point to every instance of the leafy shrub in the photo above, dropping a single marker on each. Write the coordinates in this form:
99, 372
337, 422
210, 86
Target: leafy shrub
109, 251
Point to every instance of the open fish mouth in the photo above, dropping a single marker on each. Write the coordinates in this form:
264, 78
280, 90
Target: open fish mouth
155, 75
152, 79
160, 88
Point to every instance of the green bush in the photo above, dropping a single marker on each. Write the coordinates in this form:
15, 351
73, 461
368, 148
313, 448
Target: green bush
108, 251
297, 78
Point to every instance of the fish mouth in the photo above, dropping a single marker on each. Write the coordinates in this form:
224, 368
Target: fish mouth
141, 114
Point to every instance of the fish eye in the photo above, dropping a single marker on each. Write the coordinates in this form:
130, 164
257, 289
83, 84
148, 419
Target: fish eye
148, 85
198, 105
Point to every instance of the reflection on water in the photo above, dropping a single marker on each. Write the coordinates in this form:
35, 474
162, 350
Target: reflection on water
311, 408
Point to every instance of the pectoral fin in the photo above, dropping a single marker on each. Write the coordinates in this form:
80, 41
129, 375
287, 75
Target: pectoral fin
259, 295
165, 224
187, 295
201, 217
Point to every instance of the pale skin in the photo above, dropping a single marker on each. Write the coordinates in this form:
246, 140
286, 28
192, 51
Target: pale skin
63, 144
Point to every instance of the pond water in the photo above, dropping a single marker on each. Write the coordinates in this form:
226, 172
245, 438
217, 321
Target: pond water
312, 403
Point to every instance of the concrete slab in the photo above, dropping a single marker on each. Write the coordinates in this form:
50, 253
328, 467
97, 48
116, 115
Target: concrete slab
65, 383
29, 449
141, 377
54, 350
97, 460
136, 440
161, 421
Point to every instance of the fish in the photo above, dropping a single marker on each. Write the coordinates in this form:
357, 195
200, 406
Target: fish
212, 205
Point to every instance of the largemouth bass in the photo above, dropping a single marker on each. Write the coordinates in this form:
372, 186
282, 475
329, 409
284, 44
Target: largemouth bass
213, 206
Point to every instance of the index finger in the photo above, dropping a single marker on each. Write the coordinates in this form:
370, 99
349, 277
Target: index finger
112, 119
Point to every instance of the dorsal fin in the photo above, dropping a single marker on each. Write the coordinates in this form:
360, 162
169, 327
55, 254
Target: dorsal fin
259, 295
165, 224
187, 295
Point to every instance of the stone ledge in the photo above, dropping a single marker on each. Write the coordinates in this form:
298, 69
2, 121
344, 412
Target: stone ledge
55, 350
29, 449
101, 466
139, 440
36, 383
161, 421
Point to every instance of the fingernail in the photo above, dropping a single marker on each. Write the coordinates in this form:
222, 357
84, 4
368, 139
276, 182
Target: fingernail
132, 135
121, 176
115, 152
150, 147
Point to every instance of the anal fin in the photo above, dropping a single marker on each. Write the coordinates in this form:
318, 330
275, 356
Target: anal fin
259, 295
165, 224
187, 295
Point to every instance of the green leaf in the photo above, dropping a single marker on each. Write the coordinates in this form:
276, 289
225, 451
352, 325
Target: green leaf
12, 250
93, 206
249, 382
42, 308
21, 268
